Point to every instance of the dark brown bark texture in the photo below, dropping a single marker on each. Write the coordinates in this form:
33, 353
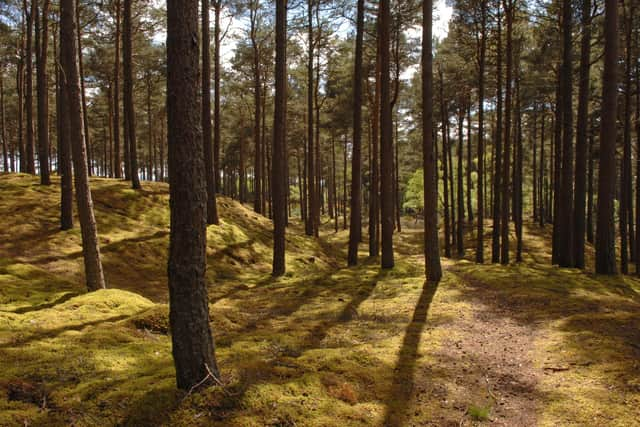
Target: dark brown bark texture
69, 59
193, 349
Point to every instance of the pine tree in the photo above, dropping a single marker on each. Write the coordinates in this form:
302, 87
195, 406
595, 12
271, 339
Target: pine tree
193, 348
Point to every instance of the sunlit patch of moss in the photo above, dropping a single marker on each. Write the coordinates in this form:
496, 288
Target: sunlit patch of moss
323, 345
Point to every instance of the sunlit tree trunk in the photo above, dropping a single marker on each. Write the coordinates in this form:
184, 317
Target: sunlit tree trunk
73, 96
433, 269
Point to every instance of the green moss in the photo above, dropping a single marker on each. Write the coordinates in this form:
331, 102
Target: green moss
323, 345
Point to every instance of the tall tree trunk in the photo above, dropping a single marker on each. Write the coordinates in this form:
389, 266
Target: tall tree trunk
542, 179
590, 172
344, 186
207, 143
497, 168
565, 230
581, 139
5, 154
605, 230
445, 168
506, 167
469, 164
396, 187
116, 96
637, 119
625, 176
518, 166
311, 225
20, 78
64, 152
557, 167
31, 14
42, 90
217, 140
334, 185
257, 97
127, 51
460, 199
87, 136
452, 195
73, 96
386, 138
433, 269
279, 151
193, 347
355, 222
374, 173
481, 171
534, 163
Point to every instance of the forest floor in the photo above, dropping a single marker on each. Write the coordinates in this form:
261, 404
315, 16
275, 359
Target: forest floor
519, 345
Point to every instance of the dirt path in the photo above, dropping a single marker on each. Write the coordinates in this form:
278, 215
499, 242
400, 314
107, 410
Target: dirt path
484, 369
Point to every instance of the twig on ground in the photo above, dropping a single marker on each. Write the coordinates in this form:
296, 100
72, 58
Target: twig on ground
210, 375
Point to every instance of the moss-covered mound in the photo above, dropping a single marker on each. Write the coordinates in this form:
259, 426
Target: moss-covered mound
324, 345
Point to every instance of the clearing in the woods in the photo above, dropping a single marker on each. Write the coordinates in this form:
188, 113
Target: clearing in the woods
519, 345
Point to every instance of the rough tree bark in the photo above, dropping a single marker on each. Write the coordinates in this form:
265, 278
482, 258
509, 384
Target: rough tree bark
73, 96
193, 348
433, 269
605, 230
386, 139
581, 139
279, 179
565, 206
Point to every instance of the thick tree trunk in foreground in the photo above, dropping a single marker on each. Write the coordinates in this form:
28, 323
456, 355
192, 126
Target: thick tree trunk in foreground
193, 349
429, 159
605, 230
278, 178
69, 60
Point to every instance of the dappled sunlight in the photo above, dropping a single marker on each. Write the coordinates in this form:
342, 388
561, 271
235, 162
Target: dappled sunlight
324, 344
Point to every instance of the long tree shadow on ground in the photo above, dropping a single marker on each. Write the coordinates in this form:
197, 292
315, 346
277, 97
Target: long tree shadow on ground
403, 382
